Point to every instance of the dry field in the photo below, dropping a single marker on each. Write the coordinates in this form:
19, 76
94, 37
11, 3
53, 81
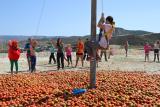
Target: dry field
118, 62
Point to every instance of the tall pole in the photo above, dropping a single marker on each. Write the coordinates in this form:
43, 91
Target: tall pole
93, 43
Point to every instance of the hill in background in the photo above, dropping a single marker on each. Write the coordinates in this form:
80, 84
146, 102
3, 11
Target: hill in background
135, 37
118, 32
136, 40
123, 32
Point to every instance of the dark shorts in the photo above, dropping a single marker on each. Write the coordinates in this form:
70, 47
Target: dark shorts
79, 53
69, 58
156, 51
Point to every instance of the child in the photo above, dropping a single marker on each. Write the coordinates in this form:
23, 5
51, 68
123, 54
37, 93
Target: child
52, 50
107, 25
33, 55
69, 54
13, 54
147, 48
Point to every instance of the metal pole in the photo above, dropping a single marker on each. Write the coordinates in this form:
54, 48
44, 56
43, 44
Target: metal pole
93, 42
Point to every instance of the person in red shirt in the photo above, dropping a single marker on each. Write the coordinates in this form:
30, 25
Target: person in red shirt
147, 49
69, 54
13, 54
80, 51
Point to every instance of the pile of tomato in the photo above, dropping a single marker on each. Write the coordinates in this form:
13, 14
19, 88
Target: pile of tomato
55, 89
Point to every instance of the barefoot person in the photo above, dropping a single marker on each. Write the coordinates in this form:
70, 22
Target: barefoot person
126, 45
147, 49
80, 51
13, 54
52, 51
27, 48
60, 54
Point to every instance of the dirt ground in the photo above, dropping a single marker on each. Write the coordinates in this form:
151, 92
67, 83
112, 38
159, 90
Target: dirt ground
118, 62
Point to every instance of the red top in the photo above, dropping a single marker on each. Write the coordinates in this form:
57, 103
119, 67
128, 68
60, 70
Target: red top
13, 51
80, 47
147, 48
68, 51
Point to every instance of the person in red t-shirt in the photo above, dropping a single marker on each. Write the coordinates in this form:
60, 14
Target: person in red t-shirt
69, 54
147, 49
13, 54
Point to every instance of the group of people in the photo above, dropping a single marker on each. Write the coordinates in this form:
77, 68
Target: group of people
65, 53
83, 50
14, 54
62, 53
155, 48
147, 49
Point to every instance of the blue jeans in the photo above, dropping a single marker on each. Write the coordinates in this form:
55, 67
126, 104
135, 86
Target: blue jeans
33, 63
100, 34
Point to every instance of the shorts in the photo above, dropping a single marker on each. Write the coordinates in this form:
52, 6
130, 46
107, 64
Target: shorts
156, 51
79, 54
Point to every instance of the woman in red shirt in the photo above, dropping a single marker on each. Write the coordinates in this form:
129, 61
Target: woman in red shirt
80, 51
13, 54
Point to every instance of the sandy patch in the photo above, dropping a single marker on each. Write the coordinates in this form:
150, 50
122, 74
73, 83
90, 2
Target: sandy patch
118, 62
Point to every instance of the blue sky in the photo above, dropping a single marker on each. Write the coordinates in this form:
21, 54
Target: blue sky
72, 17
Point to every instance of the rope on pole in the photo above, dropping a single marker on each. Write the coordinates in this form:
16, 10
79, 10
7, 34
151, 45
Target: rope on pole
40, 17
102, 6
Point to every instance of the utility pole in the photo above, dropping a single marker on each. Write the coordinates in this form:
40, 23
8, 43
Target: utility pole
93, 44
